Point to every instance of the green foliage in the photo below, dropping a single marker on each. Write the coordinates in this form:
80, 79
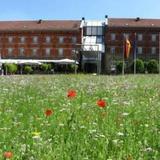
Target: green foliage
119, 66
139, 66
11, 68
28, 69
72, 67
44, 67
50, 67
152, 66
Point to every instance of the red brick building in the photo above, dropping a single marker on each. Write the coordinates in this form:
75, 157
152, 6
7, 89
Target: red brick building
100, 43
38, 39
145, 31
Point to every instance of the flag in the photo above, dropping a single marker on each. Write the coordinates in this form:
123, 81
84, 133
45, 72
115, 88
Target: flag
127, 48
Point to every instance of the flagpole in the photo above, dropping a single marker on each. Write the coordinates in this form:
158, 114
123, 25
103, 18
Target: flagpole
123, 54
135, 53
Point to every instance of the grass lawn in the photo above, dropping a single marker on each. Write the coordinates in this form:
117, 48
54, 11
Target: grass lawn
39, 122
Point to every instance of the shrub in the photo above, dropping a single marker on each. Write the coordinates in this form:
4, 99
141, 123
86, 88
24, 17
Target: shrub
139, 66
44, 67
28, 69
72, 67
49, 67
11, 68
119, 66
152, 66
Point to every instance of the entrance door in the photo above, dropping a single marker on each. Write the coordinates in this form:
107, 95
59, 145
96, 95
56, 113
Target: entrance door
90, 68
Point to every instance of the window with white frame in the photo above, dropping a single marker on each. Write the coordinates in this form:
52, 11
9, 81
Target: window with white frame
113, 36
48, 39
34, 51
61, 39
126, 35
48, 51
112, 50
10, 39
35, 39
74, 40
140, 37
153, 50
154, 36
22, 39
10, 51
21, 51
60, 52
139, 50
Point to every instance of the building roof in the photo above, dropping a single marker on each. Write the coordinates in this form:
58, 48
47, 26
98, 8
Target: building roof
40, 25
131, 22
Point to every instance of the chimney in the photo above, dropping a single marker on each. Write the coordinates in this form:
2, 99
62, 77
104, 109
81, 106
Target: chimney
82, 22
137, 19
106, 19
39, 21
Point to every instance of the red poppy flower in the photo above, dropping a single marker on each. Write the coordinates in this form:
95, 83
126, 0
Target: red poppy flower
101, 103
71, 94
48, 112
8, 154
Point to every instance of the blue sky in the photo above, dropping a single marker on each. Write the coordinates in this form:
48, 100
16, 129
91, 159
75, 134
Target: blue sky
75, 9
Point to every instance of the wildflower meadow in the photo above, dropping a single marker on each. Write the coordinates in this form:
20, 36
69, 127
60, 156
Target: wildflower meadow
80, 117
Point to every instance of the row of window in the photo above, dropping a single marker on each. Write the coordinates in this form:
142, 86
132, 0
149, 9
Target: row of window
47, 39
139, 50
139, 36
93, 31
35, 51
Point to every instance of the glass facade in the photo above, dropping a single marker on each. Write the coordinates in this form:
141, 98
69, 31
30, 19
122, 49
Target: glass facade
93, 31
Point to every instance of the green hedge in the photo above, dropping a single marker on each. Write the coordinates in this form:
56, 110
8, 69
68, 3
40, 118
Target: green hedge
152, 66
10, 68
140, 67
28, 69
119, 66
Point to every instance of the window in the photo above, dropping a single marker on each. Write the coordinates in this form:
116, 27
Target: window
112, 50
93, 31
61, 39
99, 30
48, 51
140, 37
35, 39
88, 31
10, 39
154, 36
113, 36
10, 51
34, 51
74, 40
21, 51
126, 35
139, 50
48, 39
60, 52
153, 50
22, 39
99, 39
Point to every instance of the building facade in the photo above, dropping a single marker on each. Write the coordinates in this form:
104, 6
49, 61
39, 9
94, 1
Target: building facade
39, 39
96, 45
144, 32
